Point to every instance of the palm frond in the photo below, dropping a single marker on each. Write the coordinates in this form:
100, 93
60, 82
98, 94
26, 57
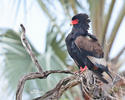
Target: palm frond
56, 45
97, 9
73, 5
106, 23
115, 30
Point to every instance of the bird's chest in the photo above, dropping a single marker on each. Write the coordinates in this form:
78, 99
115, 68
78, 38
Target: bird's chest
71, 47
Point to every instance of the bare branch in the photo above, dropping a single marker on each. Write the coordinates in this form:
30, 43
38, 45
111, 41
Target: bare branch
22, 82
62, 86
85, 93
92, 88
90, 85
35, 75
29, 49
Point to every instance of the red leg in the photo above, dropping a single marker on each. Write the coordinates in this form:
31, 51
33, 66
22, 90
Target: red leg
83, 69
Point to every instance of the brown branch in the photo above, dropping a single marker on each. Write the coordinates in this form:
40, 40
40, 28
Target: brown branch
62, 86
29, 49
35, 75
22, 82
92, 88
85, 93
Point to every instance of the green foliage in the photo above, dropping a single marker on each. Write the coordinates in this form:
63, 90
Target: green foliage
58, 47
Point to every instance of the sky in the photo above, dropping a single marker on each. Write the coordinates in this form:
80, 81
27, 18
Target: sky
33, 19
36, 22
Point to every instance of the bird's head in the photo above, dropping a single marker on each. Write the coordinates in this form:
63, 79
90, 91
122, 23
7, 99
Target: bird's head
80, 21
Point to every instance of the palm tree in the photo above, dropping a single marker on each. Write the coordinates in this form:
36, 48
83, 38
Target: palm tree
16, 62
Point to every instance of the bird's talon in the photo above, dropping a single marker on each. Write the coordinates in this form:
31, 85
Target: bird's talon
83, 69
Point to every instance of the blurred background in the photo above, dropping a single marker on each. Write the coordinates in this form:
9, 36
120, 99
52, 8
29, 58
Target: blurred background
47, 23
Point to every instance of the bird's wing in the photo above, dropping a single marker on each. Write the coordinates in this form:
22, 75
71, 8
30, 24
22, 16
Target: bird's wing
89, 47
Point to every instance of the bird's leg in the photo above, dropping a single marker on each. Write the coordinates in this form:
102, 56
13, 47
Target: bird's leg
83, 69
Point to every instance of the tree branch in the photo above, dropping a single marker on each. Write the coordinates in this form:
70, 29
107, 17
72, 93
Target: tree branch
35, 75
62, 86
92, 88
29, 49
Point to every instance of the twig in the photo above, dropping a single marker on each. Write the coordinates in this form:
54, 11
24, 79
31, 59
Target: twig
29, 49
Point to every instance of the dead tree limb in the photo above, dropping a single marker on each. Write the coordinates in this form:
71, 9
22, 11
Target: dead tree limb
35, 75
62, 86
29, 49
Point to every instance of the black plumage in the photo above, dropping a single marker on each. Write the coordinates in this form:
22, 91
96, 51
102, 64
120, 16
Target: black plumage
84, 47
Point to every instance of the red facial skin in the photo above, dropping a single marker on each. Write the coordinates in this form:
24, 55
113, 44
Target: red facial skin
75, 21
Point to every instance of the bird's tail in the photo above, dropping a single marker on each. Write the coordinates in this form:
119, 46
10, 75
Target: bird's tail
100, 76
108, 72
105, 69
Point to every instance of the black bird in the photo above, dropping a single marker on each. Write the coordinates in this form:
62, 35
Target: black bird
84, 48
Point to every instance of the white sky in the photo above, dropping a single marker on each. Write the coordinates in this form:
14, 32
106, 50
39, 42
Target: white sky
36, 22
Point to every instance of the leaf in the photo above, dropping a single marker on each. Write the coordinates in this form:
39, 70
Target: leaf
57, 46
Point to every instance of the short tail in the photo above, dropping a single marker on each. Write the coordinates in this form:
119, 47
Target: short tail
109, 73
100, 76
104, 69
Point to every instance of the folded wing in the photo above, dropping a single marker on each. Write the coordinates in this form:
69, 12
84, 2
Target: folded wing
89, 47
